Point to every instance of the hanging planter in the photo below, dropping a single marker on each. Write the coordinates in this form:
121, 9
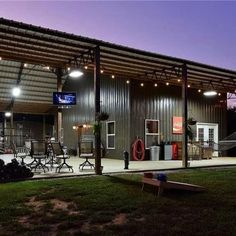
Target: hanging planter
103, 116
191, 121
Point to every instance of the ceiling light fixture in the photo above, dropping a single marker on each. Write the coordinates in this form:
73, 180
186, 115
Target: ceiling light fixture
86, 67
142, 84
155, 85
167, 83
16, 91
199, 90
101, 71
75, 73
127, 81
113, 77
210, 92
7, 114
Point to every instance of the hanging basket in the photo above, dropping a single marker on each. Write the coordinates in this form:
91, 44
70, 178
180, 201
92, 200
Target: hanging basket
191, 121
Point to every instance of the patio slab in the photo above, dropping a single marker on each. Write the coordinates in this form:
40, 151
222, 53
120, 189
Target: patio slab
117, 166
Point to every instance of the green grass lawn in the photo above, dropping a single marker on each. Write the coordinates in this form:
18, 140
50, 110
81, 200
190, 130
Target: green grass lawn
115, 205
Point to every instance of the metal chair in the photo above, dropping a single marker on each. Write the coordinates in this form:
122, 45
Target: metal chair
20, 152
86, 151
59, 154
38, 153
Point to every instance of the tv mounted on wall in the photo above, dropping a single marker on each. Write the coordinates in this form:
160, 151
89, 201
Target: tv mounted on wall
64, 98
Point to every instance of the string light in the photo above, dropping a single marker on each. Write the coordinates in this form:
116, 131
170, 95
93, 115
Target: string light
25, 64
127, 81
142, 84
0, 58
199, 90
101, 71
86, 67
167, 83
155, 85
113, 77
179, 80
219, 94
189, 86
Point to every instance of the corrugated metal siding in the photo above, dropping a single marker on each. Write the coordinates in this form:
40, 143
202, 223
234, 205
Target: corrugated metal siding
114, 101
162, 103
129, 105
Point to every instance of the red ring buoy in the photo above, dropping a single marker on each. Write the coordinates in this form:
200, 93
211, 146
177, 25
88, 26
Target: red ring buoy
138, 150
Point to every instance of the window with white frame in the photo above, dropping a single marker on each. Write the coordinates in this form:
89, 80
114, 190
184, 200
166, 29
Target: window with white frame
111, 132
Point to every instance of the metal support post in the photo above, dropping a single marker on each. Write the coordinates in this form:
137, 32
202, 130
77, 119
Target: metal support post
98, 169
59, 74
185, 116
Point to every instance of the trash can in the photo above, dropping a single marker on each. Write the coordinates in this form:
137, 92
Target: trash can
154, 153
168, 152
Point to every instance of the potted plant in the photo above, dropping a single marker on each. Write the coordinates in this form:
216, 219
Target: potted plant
191, 121
102, 116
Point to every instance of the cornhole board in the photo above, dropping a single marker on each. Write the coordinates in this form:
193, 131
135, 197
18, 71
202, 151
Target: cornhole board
171, 185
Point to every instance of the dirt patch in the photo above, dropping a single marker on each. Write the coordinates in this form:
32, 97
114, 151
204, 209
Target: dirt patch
59, 205
36, 205
120, 219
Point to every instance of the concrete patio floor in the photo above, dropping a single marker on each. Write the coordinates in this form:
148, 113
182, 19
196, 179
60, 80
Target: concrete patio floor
117, 166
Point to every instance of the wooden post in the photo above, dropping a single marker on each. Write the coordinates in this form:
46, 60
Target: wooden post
98, 169
59, 74
185, 116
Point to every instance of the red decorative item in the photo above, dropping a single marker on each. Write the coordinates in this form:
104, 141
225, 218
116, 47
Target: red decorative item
138, 150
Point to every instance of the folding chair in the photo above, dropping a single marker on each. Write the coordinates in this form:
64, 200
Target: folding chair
38, 153
59, 154
86, 151
20, 152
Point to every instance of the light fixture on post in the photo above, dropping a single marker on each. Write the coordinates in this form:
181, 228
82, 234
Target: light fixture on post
16, 91
210, 92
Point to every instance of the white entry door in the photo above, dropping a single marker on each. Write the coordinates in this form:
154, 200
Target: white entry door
207, 133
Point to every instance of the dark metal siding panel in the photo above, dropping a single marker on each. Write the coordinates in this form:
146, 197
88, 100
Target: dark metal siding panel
165, 102
83, 112
114, 101
147, 102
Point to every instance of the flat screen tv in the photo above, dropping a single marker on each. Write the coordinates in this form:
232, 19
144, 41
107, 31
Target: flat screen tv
64, 98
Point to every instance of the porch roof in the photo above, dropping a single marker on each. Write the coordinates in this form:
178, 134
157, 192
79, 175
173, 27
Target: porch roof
27, 51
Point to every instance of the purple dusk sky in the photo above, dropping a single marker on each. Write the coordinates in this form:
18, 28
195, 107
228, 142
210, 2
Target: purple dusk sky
201, 31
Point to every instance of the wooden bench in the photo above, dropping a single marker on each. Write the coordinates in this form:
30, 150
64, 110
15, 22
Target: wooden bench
171, 185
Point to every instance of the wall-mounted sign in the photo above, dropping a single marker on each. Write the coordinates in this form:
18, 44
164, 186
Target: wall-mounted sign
177, 125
